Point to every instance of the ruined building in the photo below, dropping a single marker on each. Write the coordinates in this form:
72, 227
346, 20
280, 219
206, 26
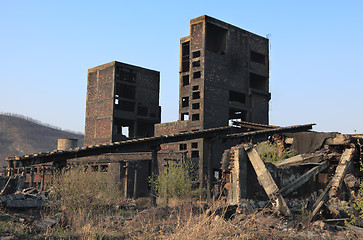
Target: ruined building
224, 76
122, 102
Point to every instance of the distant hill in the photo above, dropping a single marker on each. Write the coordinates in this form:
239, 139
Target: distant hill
21, 135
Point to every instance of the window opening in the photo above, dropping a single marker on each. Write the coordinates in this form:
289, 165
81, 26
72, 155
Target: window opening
195, 145
104, 168
196, 54
185, 80
196, 95
123, 127
236, 115
197, 75
258, 57
183, 146
258, 82
216, 39
185, 56
185, 116
237, 97
195, 117
195, 106
125, 74
196, 64
185, 101
195, 87
195, 154
116, 99
94, 168
125, 91
125, 130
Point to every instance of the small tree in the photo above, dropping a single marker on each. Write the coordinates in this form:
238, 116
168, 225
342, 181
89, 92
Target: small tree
174, 181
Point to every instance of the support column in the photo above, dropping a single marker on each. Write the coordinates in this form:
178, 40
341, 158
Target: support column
135, 179
126, 178
43, 176
209, 170
154, 173
32, 177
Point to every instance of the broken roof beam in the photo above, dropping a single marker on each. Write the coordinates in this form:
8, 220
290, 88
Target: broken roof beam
303, 178
253, 125
341, 170
269, 132
305, 158
266, 181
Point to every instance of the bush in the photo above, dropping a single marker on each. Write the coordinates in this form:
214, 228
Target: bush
174, 181
84, 197
273, 153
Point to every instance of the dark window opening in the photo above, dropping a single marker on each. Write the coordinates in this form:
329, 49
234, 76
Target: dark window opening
258, 82
94, 168
185, 50
123, 127
195, 154
185, 101
183, 146
142, 111
237, 97
104, 168
125, 74
185, 116
196, 95
185, 66
258, 57
197, 74
195, 106
125, 91
216, 39
195, 117
185, 80
196, 64
185, 57
194, 145
196, 54
125, 105
195, 87
237, 115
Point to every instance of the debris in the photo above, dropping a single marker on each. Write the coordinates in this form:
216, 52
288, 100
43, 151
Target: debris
266, 181
48, 222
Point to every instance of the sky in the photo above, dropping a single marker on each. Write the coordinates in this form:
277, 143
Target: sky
46, 48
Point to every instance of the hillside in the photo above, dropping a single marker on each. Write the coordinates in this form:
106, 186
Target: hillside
20, 136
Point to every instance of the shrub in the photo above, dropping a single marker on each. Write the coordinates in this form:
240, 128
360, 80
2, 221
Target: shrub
174, 181
84, 197
273, 153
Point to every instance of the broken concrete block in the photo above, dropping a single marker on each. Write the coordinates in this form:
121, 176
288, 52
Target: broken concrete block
25, 203
48, 222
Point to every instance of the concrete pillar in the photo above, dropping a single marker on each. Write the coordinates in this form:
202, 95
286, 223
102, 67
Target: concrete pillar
154, 172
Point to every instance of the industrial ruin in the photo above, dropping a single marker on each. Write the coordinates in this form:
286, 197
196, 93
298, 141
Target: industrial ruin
223, 112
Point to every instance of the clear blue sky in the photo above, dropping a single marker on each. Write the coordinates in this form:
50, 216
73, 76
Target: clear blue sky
46, 48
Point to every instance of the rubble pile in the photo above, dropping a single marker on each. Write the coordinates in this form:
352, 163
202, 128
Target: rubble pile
321, 181
14, 196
